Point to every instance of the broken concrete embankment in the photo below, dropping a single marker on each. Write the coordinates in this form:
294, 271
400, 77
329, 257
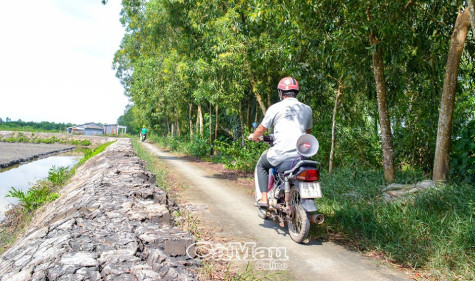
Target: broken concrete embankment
111, 223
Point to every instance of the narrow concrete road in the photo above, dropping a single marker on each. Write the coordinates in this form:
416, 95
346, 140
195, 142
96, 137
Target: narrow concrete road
232, 210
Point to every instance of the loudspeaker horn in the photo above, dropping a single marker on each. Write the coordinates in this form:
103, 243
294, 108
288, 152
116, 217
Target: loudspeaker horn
307, 145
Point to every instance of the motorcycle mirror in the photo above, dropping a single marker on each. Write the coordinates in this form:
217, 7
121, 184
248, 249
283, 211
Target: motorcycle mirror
254, 124
307, 145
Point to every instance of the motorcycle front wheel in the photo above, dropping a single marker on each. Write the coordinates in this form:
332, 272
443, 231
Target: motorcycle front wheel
299, 224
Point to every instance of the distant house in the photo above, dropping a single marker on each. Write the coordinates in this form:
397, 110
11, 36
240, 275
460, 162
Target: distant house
93, 129
114, 129
88, 129
75, 130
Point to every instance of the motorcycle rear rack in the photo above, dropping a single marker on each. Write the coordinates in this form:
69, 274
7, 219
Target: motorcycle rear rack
301, 163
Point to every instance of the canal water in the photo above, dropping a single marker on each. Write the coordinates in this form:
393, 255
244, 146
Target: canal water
22, 177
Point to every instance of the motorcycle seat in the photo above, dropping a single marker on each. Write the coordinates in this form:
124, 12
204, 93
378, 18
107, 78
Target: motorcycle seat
287, 165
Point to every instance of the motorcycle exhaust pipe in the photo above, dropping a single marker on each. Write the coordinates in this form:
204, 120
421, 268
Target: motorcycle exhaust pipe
317, 218
287, 192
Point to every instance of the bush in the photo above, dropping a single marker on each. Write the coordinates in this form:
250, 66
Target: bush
88, 154
462, 164
58, 175
234, 156
82, 143
434, 229
198, 147
34, 197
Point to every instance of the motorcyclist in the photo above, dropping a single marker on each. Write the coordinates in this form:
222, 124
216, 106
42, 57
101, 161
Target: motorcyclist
143, 133
290, 119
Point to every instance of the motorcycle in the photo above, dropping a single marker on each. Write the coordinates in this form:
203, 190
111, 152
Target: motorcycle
293, 187
143, 137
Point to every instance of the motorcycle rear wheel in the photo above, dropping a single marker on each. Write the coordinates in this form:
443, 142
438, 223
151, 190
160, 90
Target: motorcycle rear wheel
299, 225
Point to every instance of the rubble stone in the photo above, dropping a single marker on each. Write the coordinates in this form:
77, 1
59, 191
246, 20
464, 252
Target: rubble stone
111, 222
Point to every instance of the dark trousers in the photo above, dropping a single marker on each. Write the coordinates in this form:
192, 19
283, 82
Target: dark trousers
262, 172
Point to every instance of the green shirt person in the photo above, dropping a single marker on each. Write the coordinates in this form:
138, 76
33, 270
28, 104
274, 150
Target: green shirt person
143, 134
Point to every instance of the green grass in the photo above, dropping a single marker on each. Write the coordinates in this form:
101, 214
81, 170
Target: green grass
433, 231
42, 192
89, 153
153, 165
187, 222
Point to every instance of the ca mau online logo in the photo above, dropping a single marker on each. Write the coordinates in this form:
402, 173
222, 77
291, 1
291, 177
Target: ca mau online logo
236, 251
265, 258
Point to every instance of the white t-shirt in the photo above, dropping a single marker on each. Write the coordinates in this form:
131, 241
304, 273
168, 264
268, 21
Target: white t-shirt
290, 119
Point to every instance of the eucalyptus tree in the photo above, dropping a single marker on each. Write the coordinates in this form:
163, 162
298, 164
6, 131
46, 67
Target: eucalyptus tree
209, 68
444, 131
472, 14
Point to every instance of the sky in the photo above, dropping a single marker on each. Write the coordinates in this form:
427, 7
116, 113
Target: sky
56, 61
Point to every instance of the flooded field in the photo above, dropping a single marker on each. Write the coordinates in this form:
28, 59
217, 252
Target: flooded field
15, 153
22, 177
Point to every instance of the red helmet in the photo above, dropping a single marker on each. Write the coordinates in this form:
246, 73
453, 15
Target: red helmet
288, 84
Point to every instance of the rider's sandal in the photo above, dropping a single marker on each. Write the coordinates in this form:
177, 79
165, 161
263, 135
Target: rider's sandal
262, 205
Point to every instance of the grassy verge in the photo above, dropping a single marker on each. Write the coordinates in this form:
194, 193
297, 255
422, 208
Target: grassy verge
153, 165
211, 270
433, 232
89, 153
42, 192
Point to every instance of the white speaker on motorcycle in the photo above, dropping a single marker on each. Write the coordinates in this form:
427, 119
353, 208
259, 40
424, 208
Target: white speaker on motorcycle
307, 145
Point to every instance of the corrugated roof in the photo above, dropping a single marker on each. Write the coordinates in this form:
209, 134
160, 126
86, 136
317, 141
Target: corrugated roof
91, 126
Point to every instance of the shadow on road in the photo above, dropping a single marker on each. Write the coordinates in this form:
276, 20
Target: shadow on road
284, 232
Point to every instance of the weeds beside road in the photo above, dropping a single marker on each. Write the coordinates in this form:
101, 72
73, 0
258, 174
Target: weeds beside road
432, 232
190, 222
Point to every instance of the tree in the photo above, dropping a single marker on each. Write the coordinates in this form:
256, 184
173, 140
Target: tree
384, 122
444, 129
207, 70
472, 15
335, 110
128, 119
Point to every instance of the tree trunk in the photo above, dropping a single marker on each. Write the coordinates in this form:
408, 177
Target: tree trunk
386, 135
251, 76
248, 113
216, 123
190, 117
257, 94
444, 130
168, 128
241, 125
210, 124
472, 16
332, 150
269, 92
199, 119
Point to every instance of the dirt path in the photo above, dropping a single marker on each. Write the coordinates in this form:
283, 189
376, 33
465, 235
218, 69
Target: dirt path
230, 211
